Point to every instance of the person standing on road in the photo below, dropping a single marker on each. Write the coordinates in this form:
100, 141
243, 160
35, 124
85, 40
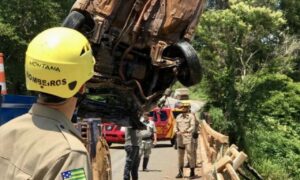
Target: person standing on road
149, 139
132, 141
43, 144
184, 127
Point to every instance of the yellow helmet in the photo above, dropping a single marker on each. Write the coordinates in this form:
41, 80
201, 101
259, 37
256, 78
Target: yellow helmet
183, 104
186, 104
58, 62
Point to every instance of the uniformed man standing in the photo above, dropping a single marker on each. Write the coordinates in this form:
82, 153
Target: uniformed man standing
43, 144
132, 141
149, 138
184, 127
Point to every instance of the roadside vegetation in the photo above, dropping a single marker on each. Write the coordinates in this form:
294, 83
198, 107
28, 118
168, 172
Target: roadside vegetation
250, 52
250, 55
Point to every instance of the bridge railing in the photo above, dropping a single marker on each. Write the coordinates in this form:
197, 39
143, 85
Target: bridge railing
219, 161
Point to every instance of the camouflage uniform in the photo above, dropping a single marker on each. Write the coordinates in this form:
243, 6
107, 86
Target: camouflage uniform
185, 126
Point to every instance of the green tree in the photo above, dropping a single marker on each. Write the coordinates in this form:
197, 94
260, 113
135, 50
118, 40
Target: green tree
236, 42
291, 10
239, 45
20, 21
270, 108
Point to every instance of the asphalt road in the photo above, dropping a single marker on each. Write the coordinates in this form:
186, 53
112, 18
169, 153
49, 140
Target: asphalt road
162, 163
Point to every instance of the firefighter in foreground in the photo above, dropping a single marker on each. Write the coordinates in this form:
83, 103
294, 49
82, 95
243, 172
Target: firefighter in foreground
184, 127
149, 139
43, 144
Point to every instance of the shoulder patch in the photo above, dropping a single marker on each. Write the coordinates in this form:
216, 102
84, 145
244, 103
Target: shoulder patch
73, 174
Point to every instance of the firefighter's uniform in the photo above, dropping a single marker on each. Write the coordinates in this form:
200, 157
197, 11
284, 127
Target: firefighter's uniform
42, 144
185, 125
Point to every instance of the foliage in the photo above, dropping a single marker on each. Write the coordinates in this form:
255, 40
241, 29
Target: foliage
290, 9
292, 14
248, 58
270, 108
20, 21
219, 121
271, 170
236, 41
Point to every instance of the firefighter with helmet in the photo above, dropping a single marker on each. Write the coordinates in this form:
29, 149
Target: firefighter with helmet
43, 144
184, 127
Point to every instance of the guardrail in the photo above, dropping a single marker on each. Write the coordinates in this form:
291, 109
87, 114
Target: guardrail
219, 161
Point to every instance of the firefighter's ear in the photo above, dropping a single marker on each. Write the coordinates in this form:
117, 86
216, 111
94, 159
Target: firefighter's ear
82, 89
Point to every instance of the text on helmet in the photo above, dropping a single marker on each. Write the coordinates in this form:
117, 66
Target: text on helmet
44, 66
43, 82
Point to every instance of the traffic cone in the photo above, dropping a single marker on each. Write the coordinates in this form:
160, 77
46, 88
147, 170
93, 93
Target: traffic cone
2, 75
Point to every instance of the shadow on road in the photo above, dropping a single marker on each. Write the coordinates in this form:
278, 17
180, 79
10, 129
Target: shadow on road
117, 147
150, 170
156, 146
163, 145
194, 177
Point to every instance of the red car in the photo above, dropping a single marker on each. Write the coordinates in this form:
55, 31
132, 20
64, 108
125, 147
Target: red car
113, 133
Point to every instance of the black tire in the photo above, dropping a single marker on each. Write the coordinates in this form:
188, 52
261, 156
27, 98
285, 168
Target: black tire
74, 20
190, 71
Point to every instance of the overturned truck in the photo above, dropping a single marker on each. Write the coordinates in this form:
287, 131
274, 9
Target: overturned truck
141, 48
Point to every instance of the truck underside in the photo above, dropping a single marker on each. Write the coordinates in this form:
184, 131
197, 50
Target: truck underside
140, 48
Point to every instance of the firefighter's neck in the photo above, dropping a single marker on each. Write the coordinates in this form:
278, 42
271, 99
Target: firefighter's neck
67, 108
185, 114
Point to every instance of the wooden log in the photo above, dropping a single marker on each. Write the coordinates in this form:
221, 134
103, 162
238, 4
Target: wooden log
229, 150
220, 165
203, 156
220, 147
232, 151
220, 176
213, 154
206, 144
216, 135
239, 160
232, 172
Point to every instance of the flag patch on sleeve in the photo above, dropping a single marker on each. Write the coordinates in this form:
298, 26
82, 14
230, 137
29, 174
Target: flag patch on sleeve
74, 174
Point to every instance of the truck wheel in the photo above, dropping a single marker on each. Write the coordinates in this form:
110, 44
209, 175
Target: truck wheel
190, 70
79, 21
